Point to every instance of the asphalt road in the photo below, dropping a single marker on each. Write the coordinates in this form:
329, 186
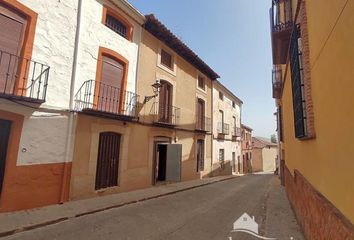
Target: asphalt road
203, 213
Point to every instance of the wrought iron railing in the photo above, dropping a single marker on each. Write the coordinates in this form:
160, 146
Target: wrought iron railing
22, 78
236, 132
98, 97
281, 15
165, 114
203, 123
277, 82
223, 128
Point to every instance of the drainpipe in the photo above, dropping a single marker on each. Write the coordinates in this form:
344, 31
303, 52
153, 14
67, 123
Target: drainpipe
72, 115
212, 128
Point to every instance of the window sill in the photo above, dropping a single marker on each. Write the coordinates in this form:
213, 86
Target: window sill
170, 71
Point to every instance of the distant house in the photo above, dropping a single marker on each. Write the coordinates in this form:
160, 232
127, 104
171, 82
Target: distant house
245, 222
264, 154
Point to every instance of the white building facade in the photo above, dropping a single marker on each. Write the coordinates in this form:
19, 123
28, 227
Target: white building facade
226, 131
50, 50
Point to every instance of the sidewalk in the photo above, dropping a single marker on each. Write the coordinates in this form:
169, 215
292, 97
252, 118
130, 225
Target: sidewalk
34, 218
280, 219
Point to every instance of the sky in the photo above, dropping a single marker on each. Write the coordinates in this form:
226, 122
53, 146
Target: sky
233, 38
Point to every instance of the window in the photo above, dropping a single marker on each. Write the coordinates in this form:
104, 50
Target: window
221, 96
233, 104
165, 112
200, 114
201, 82
297, 78
200, 155
166, 59
280, 123
116, 25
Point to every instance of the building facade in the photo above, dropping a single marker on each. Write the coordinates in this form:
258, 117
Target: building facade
312, 85
226, 131
105, 98
246, 148
264, 155
101, 99
36, 52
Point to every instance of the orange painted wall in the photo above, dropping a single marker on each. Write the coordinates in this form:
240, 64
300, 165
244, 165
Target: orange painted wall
32, 185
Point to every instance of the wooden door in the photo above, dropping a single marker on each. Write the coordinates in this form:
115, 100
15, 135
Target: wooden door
200, 155
110, 94
5, 127
200, 114
12, 25
108, 160
165, 102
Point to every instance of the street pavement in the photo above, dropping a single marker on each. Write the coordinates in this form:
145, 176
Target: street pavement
207, 212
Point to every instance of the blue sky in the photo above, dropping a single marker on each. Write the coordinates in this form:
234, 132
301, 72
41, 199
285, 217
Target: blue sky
232, 37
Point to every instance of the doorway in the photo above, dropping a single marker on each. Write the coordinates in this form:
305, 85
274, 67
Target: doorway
233, 162
108, 160
161, 162
5, 128
167, 162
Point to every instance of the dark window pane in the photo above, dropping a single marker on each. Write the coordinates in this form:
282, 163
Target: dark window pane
116, 25
166, 59
201, 82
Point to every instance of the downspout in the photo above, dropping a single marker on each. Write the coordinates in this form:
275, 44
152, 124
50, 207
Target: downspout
71, 121
212, 128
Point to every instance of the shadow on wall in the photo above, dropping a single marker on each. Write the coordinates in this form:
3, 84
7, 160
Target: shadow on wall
221, 169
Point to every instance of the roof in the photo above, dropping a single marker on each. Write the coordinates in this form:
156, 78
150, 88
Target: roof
160, 31
247, 127
229, 91
260, 142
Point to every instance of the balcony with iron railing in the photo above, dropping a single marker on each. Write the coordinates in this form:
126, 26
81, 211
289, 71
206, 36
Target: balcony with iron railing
101, 99
22, 78
277, 82
236, 133
203, 124
223, 129
165, 115
281, 26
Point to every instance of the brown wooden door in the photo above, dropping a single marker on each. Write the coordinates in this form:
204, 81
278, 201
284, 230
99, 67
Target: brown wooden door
12, 25
200, 114
200, 155
110, 88
5, 127
165, 102
108, 160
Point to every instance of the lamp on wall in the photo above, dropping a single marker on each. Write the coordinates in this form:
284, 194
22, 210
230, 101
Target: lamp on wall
155, 88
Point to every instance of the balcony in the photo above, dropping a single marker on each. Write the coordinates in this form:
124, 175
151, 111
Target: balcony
165, 115
223, 129
22, 79
203, 124
236, 133
281, 26
277, 82
100, 99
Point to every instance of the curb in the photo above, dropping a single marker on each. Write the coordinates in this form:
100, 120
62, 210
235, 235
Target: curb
62, 219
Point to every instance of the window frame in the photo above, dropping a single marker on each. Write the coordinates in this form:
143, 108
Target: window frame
114, 13
172, 70
298, 85
203, 88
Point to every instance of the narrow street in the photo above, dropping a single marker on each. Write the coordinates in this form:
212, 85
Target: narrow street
206, 212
